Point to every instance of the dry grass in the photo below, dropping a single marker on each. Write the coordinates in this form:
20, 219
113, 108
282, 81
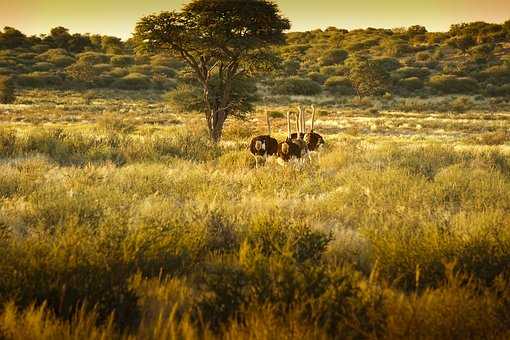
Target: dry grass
114, 227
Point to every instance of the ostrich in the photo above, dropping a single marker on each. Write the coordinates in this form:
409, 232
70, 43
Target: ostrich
264, 145
288, 149
314, 141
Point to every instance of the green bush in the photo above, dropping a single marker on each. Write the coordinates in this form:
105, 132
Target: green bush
7, 90
93, 58
330, 71
102, 68
133, 81
163, 60
339, 85
296, 86
412, 83
498, 91
453, 84
39, 79
317, 77
387, 63
164, 70
62, 61
55, 56
118, 72
333, 57
122, 60
408, 72
141, 69
42, 66
498, 74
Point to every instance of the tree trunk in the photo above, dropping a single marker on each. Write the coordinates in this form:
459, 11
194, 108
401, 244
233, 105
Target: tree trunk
218, 120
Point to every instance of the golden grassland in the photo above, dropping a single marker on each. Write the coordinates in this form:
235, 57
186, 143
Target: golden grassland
118, 219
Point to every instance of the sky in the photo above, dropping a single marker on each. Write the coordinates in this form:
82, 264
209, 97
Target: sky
118, 17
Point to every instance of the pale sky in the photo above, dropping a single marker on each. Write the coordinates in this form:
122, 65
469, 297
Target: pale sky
118, 18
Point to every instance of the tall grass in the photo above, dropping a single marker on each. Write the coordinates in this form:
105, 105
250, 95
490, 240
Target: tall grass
106, 232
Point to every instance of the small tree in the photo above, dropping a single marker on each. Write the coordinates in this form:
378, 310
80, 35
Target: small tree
7, 95
217, 38
367, 76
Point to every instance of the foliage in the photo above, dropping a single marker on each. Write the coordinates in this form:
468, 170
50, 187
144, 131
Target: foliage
453, 84
7, 90
367, 77
296, 86
133, 81
227, 38
333, 57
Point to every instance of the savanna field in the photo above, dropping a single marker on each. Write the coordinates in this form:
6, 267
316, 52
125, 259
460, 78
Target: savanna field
119, 219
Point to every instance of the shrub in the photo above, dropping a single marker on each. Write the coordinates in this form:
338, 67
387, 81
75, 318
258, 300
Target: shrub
118, 72
62, 61
42, 66
413, 83
39, 79
498, 74
102, 68
93, 58
333, 57
387, 63
53, 55
296, 86
142, 59
423, 56
7, 95
142, 69
317, 77
498, 91
164, 70
408, 72
122, 60
163, 60
6, 71
453, 84
330, 71
133, 81
339, 85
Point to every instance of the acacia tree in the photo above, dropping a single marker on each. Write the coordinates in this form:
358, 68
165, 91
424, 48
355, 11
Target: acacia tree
220, 39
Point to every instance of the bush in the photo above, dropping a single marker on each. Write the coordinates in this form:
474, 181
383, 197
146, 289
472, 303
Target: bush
122, 60
499, 74
142, 69
93, 58
333, 57
42, 66
411, 84
7, 95
330, 71
388, 64
423, 56
317, 77
118, 72
296, 86
53, 55
133, 81
164, 70
452, 84
102, 68
408, 72
339, 85
163, 60
498, 91
39, 79
62, 61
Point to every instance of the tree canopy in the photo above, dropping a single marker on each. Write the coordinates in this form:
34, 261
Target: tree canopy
224, 39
